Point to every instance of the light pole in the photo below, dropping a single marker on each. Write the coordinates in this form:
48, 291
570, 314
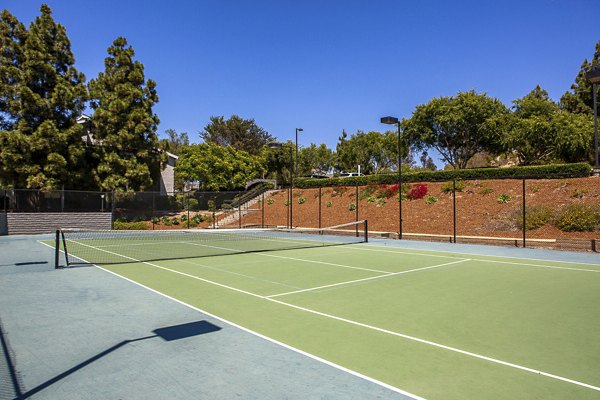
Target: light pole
276, 145
394, 121
297, 130
102, 203
593, 75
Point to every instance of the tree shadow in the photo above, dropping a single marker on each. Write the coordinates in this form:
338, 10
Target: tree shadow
168, 334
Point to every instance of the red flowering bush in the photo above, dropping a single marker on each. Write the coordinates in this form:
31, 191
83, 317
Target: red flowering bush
387, 191
417, 192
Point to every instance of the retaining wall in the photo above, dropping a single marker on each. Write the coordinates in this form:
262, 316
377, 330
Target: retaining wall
32, 223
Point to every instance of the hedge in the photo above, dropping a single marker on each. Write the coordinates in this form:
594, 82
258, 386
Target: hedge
552, 171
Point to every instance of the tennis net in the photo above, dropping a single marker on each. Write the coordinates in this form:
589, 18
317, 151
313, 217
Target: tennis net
117, 247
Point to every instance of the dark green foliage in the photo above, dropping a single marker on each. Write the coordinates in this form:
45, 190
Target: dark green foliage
535, 217
174, 141
124, 125
578, 218
241, 134
136, 226
41, 94
580, 100
504, 198
315, 159
537, 171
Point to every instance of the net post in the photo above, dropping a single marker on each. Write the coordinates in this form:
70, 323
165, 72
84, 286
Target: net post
366, 231
62, 234
57, 250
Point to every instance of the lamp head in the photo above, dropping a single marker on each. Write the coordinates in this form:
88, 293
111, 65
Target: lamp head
389, 120
593, 75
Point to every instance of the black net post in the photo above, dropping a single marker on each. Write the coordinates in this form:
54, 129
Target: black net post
524, 215
239, 215
454, 209
366, 231
57, 250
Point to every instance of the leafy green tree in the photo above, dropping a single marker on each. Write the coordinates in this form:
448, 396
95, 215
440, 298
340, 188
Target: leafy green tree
124, 125
315, 159
218, 167
454, 126
580, 100
241, 134
538, 131
174, 141
375, 152
42, 94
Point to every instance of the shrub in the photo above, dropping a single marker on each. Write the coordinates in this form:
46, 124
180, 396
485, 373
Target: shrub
351, 207
328, 204
183, 218
504, 198
431, 200
339, 191
286, 203
193, 223
175, 221
137, 226
367, 192
417, 192
381, 202
485, 191
302, 200
535, 217
535, 171
193, 204
387, 191
578, 218
155, 220
270, 201
372, 199
578, 193
449, 186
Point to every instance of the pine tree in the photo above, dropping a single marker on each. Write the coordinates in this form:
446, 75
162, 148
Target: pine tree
580, 100
123, 124
41, 142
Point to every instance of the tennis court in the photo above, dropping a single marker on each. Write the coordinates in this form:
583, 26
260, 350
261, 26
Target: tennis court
431, 324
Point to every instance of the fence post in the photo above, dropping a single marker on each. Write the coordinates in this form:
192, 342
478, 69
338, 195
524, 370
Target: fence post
214, 218
356, 199
112, 211
524, 216
188, 209
62, 199
262, 211
240, 215
454, 209
594, 245
320, 205
153, 209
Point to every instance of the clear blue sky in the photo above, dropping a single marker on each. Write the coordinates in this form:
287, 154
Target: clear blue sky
328, 65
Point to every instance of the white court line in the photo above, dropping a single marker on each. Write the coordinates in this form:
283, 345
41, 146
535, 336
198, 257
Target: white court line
356, 247
367, 279
293, 258
371, 327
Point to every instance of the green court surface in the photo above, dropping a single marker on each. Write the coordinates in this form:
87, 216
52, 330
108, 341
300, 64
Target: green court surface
436, 325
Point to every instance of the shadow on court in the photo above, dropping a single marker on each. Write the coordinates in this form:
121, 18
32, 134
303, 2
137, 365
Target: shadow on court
168, 334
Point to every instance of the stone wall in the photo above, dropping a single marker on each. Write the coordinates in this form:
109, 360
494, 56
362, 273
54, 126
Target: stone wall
32, 223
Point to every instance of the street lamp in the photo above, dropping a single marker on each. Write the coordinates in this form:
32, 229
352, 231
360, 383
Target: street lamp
102, 202
297, 130
276, 145
593, 75
394, 121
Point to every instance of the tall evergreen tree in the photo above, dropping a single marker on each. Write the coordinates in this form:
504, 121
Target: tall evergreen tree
124, 125
580, 100
41, 142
